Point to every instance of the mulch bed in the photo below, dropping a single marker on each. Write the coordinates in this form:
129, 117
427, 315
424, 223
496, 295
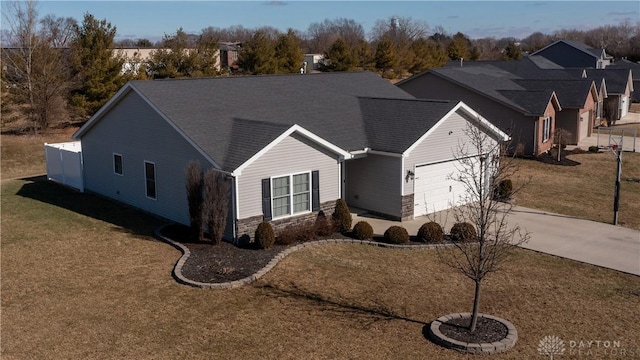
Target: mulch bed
220, 263
553, 160
487, 330
226, 262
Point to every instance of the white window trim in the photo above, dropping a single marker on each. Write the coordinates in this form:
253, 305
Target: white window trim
546, 129
155, 180
121, 164
291, 213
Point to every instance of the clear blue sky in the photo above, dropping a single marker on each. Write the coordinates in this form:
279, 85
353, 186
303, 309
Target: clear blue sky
152, 19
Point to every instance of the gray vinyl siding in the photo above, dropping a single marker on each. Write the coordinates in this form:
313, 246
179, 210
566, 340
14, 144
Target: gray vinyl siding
374, 183
521, 127
134, 130
441, 145
294, 154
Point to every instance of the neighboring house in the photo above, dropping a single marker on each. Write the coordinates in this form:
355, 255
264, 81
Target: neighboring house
635, 69
229, 55
619, 84
287, 155
579, 99
574, 54
313, 62
528, 115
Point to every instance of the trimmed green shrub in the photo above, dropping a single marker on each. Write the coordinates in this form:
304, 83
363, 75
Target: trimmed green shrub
504, 189
362, 231
342, 216
463, 232
396, 235
430, 232
265, 237
593, 149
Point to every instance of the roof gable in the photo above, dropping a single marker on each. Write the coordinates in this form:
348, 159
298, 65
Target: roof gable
498, 85
231, 120
393, 125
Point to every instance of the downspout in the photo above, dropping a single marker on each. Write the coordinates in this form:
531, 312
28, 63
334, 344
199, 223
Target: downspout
535, 136
234, 205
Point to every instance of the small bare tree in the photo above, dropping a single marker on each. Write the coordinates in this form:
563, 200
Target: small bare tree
216, 203
480, 168
561, 138
195, 185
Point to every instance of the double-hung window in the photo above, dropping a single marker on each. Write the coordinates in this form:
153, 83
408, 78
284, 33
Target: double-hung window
546, 128
150, 179
291, 194
117, 164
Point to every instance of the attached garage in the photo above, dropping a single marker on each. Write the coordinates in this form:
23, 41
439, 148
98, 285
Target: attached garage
585, 125
624, 106
437, 188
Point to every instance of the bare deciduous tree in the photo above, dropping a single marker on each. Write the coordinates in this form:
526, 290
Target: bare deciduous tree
561, 138
480, 168
21, 20
216, 203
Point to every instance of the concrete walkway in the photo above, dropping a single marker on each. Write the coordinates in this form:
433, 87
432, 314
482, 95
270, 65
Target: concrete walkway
587, 241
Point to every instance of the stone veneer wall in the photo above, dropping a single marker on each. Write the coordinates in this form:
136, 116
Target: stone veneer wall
407, 207
247, 226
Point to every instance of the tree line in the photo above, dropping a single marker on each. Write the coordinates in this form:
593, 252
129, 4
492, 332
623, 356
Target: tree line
58, 70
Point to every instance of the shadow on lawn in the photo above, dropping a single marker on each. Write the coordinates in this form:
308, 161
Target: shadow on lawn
368, 315
126, 219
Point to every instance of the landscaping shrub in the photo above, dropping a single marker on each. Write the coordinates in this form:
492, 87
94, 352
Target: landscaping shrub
593, 149
519, 152
265, 237
362, 231
463, 232
430, 232
342, 216
396, 235
323, 226
504, 189
296, 233
194, 184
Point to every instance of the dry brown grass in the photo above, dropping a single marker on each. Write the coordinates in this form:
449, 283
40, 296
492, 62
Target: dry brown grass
23, 155
585, 190
82, 279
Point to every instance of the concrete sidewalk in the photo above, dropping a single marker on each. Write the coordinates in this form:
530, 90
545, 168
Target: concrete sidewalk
587, 241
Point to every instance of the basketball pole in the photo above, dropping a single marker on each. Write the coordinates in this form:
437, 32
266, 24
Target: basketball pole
616, 199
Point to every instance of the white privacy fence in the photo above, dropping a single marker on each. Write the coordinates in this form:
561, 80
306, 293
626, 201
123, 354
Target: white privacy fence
64, 164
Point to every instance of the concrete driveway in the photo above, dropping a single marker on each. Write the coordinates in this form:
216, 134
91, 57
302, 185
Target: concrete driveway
587, 241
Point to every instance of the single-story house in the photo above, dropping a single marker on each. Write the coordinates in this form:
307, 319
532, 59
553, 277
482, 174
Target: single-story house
579, 99
290, 145
635, 69
528, 115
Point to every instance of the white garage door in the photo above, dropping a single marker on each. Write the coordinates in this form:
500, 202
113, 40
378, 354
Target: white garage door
434, 191
624, 106
584, 125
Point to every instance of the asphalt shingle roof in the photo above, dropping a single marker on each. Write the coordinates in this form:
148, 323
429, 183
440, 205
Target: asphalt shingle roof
498, 84
417, 116
232, 118
571, 93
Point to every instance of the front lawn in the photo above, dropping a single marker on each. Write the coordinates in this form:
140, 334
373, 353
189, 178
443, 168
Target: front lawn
82, 278
585, 190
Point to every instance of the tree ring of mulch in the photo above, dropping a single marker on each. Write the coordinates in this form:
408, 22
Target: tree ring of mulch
492, 334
